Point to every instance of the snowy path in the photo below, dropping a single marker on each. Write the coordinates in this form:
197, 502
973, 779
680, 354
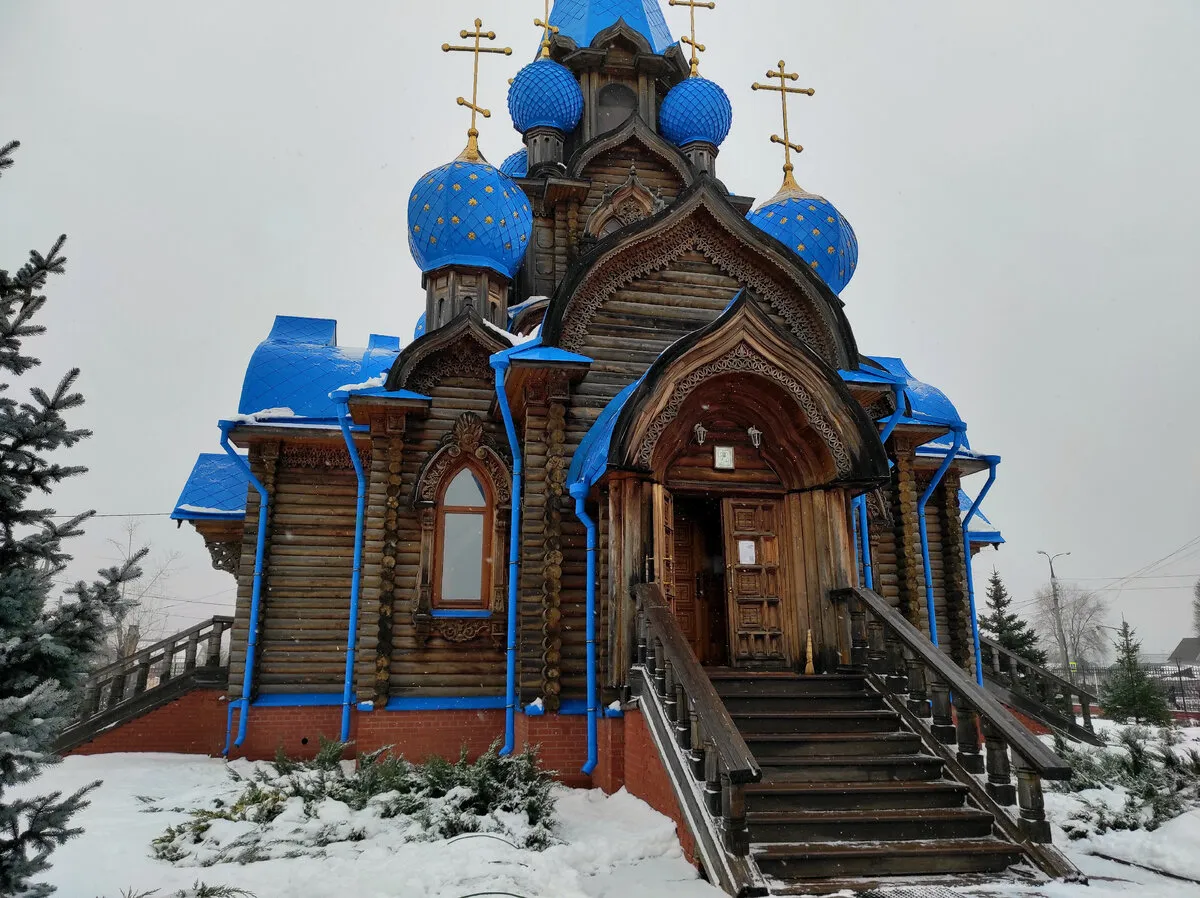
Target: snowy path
615, 847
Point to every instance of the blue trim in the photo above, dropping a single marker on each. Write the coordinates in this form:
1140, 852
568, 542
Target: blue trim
533, 709
256, 590
299, 700
360, 514
921, 503
499, 363
463, 615
446, 703
579, 493
993, 461
864, 525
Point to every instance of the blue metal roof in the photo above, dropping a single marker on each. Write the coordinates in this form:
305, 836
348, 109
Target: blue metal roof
295, 369
982, 530
582, 20
591, 458
215, 491
927, 406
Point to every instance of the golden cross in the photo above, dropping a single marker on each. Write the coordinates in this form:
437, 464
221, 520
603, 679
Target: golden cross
697, 49
784, 77
549, 30
471, 153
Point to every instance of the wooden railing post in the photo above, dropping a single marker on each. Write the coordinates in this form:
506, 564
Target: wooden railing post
734, 831
91, 701
212, 650
918, 695
660, 668
670, 699
712, 780
943, 719
683, 719
116, 692
876, 653
858, 633
968, 736
189, 655
142, 678
643, 641
897, 675
999, 771
1085, 709
696, 754
1031, 801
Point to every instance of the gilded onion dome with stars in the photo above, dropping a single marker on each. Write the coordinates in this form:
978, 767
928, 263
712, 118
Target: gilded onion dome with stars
696, 110
814, 229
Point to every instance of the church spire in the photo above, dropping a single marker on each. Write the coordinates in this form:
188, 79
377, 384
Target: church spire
582, 20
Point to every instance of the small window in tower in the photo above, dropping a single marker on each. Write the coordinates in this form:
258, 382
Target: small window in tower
616, 103
464, 529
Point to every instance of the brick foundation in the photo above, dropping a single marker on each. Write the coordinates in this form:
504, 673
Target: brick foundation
192, 725
646, 778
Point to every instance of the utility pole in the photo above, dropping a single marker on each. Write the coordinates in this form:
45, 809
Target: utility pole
1058, 621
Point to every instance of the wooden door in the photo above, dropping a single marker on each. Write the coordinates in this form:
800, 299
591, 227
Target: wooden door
687, 605
754, 585
664, 541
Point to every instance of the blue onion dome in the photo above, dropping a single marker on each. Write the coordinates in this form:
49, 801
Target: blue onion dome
468, 213
516, 165
814, 229
545, 94
696, 110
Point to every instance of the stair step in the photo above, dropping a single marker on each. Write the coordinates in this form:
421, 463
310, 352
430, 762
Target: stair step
849, 795
810, 745
739, 683
851, 825
806, 721
821, 860
848, 768
776, 700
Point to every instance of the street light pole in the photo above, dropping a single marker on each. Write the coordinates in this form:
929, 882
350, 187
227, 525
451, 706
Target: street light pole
1058, 621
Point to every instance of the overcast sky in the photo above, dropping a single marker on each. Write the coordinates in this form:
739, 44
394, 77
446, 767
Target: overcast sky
1022, 177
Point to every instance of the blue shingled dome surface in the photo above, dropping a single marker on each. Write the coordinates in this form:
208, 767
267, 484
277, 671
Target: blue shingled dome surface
696, 110
215, 491
468, 213
545, 94
815, 230
582, 20
300, 364
516, 165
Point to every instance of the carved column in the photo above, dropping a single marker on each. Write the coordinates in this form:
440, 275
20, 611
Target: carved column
394, 448
910, 570
954, 568
555, 477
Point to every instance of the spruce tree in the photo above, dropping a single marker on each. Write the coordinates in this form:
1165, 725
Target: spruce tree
1130, 693
1006, 626
46, 643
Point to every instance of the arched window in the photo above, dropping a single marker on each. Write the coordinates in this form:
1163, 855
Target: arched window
617, 103
462, 570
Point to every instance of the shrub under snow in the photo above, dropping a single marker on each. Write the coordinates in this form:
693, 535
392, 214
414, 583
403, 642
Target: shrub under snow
289, 808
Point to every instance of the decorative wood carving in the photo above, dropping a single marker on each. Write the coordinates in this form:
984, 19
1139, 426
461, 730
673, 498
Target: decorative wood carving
879, 508
552, 557
225, 555
702, 232
313, 455
622, 205
467, 359
422, 615
467, 437
387, 578
745, 359
462, 630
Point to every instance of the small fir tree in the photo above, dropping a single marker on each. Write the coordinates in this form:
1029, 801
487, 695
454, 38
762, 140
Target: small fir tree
1006, 626
45, 646
1131, 693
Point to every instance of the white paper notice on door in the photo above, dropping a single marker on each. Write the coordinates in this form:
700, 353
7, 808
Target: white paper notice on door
746, 552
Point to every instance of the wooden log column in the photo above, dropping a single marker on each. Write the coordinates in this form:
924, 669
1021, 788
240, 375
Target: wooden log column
555, 477
910, 570
386, 484
954, 572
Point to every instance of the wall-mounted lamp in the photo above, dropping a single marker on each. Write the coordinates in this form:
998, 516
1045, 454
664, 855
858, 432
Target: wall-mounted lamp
755, 436
700, 433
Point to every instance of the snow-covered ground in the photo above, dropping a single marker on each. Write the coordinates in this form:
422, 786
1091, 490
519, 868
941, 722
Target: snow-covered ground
612, 847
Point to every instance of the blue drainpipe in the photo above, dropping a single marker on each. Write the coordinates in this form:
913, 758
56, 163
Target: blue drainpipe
255, 593
579, 493
356, 577
992, 462
500, 366
937, 478
864, 533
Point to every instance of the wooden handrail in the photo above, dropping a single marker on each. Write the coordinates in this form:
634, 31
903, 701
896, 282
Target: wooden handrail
735, 757
1037, 756
137, 658
1041, 672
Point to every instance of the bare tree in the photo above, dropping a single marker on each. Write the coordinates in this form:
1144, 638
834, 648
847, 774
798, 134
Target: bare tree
1083, 615
141, 618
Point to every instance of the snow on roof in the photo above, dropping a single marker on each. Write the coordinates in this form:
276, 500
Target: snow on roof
215, 490
982, 530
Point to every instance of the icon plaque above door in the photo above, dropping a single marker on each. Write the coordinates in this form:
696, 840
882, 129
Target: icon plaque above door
723, 458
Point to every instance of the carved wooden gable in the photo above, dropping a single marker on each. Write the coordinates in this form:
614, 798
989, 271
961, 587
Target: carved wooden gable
460, 350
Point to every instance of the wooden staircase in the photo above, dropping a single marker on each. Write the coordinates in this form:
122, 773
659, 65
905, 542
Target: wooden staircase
848, 793
897, 771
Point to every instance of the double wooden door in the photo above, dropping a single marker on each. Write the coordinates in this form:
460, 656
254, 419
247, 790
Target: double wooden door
754, 614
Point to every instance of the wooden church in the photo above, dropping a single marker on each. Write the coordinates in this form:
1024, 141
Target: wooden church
632, 493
